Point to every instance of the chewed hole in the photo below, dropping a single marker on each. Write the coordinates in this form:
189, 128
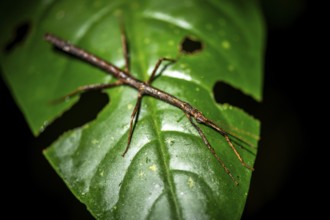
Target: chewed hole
84, 111
190, 45
224, 93
20, 35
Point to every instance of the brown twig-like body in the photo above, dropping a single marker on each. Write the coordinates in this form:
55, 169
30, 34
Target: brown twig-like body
144, 88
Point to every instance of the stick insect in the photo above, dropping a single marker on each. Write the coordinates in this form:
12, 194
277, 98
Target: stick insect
124, 77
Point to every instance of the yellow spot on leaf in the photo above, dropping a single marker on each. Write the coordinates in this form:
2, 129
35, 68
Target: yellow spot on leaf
225, 44
153, 168
231, 68
191, 182
102, 173
141, 174
60, 14
170, 43
95, 141
129, 106
118, 12
183, 66
170, 141
146, 41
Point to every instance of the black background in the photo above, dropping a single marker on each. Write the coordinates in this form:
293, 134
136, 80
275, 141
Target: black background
287, 180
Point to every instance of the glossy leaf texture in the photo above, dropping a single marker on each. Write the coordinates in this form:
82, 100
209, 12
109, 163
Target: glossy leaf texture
168, 172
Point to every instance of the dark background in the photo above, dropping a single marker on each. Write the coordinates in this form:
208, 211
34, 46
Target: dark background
286, 181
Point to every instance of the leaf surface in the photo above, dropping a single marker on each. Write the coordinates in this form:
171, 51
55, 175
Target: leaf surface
168, 173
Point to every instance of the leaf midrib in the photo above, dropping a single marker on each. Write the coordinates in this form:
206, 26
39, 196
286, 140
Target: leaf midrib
162, 150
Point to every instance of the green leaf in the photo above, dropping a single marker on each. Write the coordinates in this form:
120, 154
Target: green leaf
168, 172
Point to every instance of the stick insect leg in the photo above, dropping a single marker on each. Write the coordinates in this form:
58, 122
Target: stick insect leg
236, 153
86, 88
154, 71
124, 44
132, 124
135, 113
206, 142
230, 143
136, 110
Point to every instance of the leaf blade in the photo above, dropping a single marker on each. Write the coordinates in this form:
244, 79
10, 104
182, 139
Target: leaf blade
166, 151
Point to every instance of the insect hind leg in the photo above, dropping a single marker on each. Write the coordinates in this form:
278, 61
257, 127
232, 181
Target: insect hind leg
211, 149
154, 71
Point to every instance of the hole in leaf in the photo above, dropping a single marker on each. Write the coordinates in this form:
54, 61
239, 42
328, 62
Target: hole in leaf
20, 35
84, 111
224, 93
190, 45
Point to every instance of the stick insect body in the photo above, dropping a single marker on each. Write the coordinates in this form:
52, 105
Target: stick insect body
144, 88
